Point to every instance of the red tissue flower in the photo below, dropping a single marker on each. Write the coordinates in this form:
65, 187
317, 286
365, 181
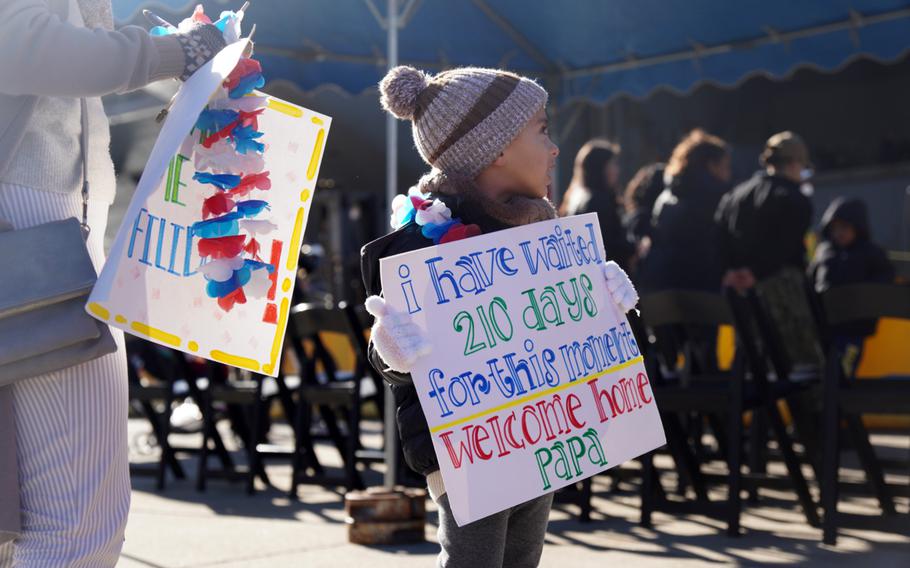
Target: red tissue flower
459, 231
217, 205
245, 118
252, 247
222, 247
244, 67
235, 297
251, 182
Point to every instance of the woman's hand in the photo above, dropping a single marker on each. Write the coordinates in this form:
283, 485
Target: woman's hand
395, 337
200, 44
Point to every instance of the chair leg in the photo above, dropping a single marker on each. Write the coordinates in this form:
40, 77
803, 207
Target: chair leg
331, 423
649, 481
830, 459
683, 456
252, 443
584, 515
300, 413
873, 468
806, 415
734, 462
208, 425
164, 429
793, 466
757, 442
717, 428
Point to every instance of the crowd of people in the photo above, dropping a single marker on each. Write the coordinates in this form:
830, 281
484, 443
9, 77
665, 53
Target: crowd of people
684, 225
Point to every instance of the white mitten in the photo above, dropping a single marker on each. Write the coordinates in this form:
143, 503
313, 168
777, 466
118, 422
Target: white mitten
620, 286
396, 338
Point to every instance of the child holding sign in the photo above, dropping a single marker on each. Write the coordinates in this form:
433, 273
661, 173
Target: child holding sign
484, 132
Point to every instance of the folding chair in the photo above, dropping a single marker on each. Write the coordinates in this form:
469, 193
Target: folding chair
335, 395
847, 398
714, 394
146, 396
681, 316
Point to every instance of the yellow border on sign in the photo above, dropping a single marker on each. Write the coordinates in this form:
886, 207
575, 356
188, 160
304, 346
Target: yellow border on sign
235, 360
537, 395
99, 310
314, 157
295, 239
285, 108
279, 336
155, 333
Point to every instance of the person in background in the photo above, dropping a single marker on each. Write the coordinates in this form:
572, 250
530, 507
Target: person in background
640, 195
69, 427
847, 255
683, 252
762, 225
593, 189
764, 220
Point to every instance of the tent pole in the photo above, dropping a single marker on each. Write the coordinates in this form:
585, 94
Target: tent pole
390, 428
553, 87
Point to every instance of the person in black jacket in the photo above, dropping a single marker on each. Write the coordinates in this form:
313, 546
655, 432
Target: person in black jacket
640, 195
764, 220
847, 255
683, 252
762, 226
485, 134
593, 190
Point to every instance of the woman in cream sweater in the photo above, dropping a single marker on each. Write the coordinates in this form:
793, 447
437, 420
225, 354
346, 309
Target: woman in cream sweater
64, 476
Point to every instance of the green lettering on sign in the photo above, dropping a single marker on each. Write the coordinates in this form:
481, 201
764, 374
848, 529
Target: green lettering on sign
173, 185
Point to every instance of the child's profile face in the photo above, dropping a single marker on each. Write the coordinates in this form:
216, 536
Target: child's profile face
527, 163
842, 233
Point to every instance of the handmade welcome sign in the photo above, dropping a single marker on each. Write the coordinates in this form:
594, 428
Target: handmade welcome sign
535, 380
206, 257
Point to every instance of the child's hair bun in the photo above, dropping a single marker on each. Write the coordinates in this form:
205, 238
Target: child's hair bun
399, 90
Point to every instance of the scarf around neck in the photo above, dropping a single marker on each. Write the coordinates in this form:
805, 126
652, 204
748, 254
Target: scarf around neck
517, 210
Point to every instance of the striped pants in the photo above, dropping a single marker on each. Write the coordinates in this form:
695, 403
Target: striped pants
70, 431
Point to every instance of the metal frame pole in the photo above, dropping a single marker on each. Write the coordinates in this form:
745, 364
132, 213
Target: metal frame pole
390, 427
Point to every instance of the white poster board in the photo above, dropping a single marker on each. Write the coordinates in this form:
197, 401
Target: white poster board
535, 380
152, 284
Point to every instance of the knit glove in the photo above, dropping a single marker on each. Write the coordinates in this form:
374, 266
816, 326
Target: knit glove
395, 337
620, 286
200, 44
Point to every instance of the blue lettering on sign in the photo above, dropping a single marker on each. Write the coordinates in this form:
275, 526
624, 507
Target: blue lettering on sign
169, 244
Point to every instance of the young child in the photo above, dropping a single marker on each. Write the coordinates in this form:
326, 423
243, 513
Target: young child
484, 132
846, 255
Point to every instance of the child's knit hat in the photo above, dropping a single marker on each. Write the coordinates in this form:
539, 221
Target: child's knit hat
462, 118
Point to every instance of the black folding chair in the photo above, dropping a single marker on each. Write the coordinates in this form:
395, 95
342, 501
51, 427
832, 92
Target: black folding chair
761, 344
684, 316
847, 398
676, 319
335, 395
146, 398
248, 408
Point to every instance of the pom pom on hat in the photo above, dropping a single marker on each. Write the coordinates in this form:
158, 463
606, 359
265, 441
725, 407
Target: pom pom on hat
399, 90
